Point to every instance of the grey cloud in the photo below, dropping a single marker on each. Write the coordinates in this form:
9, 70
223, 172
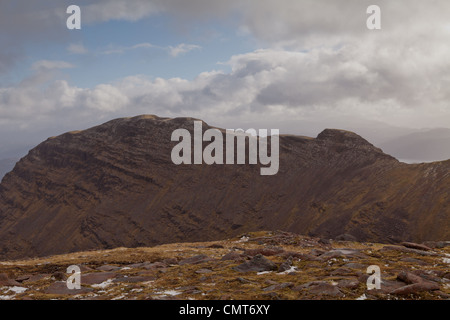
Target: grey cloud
344, 75
106, 10
317, 83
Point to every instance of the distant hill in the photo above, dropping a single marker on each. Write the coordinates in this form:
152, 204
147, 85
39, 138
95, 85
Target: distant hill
114, 185
430, 145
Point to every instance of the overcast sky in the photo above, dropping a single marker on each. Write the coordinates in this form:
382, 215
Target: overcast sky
296, 65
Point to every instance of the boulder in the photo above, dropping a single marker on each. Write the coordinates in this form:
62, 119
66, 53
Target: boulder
60, 276
285, 265
258, 264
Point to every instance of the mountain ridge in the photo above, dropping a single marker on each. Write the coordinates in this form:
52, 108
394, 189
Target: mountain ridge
114, 185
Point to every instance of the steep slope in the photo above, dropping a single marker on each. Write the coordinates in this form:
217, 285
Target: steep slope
6, 165
115, 185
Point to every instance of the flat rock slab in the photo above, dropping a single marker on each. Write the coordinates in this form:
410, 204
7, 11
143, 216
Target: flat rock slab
233, 256
259, 263
23, 277
298, 255
151, 265
348, 283
388, 286
36, 277
410, 250
355, 265
6, 281
320, 288
416, 288
409, 278
417, 246
342, 272
279, 286
60, 288
415, 261
108, 267
134, 279
84, 268
154, 265
342, 253
195, 259
203, 271
263, 251
97, 278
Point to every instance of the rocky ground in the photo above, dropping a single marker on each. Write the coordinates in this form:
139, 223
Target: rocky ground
261, 266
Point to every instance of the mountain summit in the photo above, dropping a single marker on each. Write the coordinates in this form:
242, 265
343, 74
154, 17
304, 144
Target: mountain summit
115, 185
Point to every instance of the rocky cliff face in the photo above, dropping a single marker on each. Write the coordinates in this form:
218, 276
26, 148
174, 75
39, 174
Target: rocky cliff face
115, 185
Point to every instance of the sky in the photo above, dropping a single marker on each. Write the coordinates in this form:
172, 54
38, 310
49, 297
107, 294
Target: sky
299, 66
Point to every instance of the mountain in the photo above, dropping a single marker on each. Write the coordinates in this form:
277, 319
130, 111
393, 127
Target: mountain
115, 185
423, 146
6, 165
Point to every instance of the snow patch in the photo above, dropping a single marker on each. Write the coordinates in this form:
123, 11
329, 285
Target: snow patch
103, 285
291, 269
243, 239
18, 289
171, 292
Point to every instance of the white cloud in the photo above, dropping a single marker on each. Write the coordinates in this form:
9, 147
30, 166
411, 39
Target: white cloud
176, 51
321, 66
77, 48
182, 49
277, 84
121, 49
51, 64
129, 10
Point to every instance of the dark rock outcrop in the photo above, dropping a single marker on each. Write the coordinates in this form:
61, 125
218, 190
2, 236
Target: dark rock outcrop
258, 264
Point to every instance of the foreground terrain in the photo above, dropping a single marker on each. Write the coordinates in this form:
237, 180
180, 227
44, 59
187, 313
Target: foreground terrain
261, 265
